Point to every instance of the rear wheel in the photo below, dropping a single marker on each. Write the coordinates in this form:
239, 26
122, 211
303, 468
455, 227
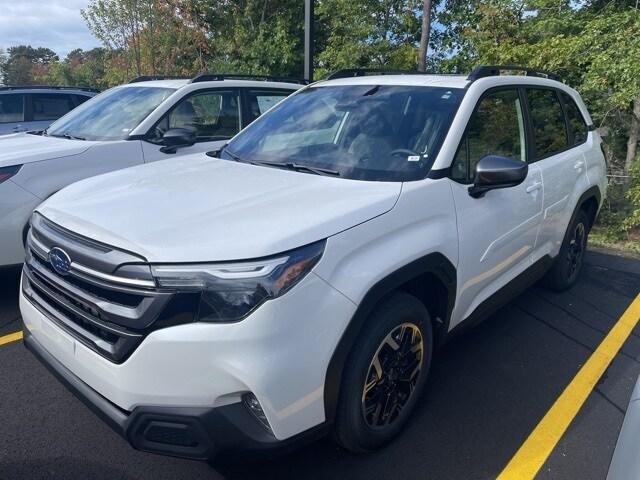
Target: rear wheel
385, 374
568, 264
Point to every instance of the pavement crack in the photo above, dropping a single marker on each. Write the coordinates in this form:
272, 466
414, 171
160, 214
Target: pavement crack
566, 335
608, 400
575, 317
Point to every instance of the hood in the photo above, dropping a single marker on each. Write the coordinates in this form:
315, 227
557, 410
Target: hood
199, 209
24, 148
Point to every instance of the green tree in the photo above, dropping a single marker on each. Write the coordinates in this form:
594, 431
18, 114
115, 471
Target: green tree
368, 33
24, 63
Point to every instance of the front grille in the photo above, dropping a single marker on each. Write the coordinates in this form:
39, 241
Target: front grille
107, 300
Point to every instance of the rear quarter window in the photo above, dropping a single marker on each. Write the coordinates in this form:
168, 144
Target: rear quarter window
577, 126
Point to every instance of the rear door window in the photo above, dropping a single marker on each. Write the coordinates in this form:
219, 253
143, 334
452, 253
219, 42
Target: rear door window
11, 108
50, 106
547, 119
259, 101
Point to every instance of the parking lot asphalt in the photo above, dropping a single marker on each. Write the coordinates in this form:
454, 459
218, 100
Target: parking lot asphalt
489, 388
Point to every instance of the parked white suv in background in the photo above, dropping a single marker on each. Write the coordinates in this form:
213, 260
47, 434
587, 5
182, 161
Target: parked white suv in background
302, 281
141, 122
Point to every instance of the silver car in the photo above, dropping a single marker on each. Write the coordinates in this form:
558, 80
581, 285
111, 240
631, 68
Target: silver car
34, 107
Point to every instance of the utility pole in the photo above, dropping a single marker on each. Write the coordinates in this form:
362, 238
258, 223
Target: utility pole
424, 36
308, 40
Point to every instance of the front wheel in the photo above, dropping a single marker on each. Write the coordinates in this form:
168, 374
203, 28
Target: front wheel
385, 374
568, 264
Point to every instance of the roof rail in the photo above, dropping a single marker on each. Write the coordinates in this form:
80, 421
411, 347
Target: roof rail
148, 78
49, 87
362, 72
218, 77
482, 71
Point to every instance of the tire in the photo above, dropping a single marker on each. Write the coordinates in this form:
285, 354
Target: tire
566, 268
400, 316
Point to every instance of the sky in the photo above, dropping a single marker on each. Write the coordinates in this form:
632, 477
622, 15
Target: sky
56, 24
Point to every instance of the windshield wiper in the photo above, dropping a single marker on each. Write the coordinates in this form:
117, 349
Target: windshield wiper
67, 136
297, 167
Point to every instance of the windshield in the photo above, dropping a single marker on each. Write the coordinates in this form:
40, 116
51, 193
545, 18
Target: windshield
111, 115
365, 132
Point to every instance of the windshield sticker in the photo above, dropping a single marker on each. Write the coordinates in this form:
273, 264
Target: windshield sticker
413, 158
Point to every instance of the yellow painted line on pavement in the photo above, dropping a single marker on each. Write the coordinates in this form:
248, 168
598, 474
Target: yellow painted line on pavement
12, 337
532, 454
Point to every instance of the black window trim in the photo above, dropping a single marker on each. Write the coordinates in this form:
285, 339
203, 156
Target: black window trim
146, 136
24, 108
527, 129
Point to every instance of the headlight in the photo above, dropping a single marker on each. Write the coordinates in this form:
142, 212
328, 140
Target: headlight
230, 291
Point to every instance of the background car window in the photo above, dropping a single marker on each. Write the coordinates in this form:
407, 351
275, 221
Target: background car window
213, 116
112, 115
495, 128
11, 108
50, 106
80, 99
547, 118
261, 101
577, 125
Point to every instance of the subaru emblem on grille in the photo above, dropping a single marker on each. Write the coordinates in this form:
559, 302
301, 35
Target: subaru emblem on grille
60, 261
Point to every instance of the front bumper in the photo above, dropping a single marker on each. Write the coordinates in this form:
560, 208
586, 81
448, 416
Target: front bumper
189, 432
280, 353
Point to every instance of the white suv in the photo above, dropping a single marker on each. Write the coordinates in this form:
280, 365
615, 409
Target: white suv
141, 122
302, 281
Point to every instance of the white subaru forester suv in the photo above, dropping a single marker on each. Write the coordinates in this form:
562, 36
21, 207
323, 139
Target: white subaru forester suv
301, 281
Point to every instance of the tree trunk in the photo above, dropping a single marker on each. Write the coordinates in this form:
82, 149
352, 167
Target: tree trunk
424, 36
634, 137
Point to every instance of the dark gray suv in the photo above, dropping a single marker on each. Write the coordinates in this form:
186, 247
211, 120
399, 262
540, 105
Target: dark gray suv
35, 107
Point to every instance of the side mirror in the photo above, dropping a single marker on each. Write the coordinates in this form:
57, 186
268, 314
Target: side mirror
494, 171
177, 138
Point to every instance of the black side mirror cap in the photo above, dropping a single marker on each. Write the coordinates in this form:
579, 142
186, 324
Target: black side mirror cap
495, 171
177, 138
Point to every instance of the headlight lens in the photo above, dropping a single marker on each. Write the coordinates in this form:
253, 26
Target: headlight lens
230, 291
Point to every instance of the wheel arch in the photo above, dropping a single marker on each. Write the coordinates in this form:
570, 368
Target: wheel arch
432, 279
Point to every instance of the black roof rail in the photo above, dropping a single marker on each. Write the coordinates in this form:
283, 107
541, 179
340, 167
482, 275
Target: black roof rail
47, 87
362, 72
148, 78
482, 71
218, 77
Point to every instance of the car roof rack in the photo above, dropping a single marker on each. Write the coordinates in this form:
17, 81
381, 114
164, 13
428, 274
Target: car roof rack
362, 72
218, 77
149, 78
483, 71
48, 87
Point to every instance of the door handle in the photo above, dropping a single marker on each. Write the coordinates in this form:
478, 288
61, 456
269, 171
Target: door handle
533, 187
578, 165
